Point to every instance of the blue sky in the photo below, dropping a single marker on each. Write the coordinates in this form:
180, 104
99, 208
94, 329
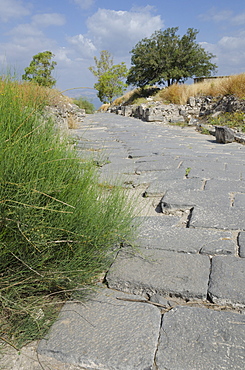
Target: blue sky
77, 30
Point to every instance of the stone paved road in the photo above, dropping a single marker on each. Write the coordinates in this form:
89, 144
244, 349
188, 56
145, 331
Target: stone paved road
177, 300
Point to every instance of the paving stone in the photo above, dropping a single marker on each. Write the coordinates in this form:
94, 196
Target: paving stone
198, 338
125, 168
154, 224
174, 198
231, 186
105, 333
220, 217
141, 153
161, 187
211, 169
158, 271
239, 200
156, 235
227, 281
241, 243
161, 164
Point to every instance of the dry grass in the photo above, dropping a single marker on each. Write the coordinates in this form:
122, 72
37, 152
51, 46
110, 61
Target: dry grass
128, 97
179, 94
104, 107
30, 92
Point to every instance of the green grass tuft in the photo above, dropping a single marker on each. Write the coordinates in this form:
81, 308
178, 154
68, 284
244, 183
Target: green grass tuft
58, 226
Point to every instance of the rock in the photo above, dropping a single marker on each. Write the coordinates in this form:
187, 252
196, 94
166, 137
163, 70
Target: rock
158, 271
227, 281
192, 101
105, 333
224, 134
198, 338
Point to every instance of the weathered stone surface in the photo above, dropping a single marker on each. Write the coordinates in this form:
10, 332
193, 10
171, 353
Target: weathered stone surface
198, 338
105, 333
157, 271
228, 186
222, 217
241, 243
159, 164
156, 235
239, 201
224, 134
227, 280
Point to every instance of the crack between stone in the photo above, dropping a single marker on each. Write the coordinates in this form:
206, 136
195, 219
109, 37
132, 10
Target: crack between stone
155, 367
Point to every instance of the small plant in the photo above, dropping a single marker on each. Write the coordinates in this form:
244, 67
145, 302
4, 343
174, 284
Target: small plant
187, 171
204, 131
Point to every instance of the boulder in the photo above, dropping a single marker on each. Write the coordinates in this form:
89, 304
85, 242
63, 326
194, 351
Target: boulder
224, 134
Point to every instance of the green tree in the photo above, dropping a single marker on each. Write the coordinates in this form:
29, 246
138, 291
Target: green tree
40, 69
110, 77
166, 57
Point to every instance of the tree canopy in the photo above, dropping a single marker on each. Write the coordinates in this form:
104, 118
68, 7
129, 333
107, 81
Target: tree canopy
110, 77
40, 69
166, 57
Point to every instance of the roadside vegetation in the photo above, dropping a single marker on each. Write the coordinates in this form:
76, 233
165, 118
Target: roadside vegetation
83, 103
180, 93
58, 225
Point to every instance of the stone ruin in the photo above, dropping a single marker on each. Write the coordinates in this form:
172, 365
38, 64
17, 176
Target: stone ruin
193, 113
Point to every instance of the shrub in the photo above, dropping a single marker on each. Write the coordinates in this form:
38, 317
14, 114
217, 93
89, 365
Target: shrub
83, 103
57, 224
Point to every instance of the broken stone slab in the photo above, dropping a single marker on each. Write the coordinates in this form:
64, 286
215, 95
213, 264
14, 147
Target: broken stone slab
227, 281
241, 243
224, 134
105, 333
200, 338
158, 271
185, 240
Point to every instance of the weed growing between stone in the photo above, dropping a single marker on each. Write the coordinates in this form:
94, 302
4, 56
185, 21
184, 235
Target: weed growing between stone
57, 224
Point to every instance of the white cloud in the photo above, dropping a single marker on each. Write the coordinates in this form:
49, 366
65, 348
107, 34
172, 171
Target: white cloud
83, 45
230, 43
119, 31
61, 55
239, 19
13, 9
216, 15
84, 4
23, 30
48, 19
230, 53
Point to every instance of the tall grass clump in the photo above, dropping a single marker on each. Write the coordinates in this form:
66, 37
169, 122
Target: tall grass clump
57, 224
